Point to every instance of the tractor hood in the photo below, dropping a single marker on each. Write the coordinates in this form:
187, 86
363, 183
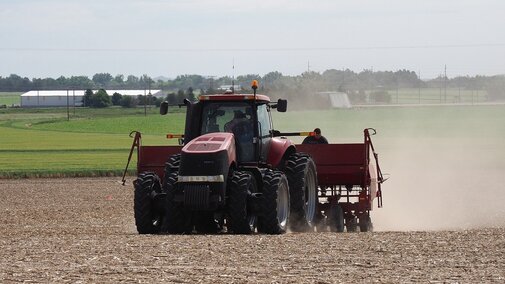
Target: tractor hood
212, 143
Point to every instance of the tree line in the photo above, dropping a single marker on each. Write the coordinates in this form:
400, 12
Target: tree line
101, 99
273, 83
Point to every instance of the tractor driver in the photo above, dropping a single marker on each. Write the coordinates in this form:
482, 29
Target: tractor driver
239, 121
317, 138
242, 128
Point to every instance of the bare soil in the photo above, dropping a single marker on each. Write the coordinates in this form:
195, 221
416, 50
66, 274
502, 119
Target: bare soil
82, 230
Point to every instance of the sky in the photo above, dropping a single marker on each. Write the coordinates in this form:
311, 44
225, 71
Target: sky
52, 38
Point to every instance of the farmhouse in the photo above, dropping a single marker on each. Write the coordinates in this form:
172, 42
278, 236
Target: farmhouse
71, 97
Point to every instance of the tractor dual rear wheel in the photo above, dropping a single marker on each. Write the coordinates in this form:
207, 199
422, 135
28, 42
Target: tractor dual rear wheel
241, 221
274, 207
148, 214
301, 173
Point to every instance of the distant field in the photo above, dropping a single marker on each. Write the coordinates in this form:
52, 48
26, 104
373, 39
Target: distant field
95, 141
436, 96
42, 141
10, 98
153, 124
397, 122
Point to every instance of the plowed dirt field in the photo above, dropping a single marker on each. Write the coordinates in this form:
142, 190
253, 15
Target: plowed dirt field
82, 230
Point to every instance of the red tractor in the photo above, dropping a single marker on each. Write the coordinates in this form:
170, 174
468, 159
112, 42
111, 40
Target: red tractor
234, 172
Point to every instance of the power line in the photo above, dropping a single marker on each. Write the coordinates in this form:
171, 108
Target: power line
279, 49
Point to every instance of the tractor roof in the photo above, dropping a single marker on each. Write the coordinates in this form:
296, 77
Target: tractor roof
234, 97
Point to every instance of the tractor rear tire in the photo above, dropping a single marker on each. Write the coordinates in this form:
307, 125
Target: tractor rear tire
302, 178
365, 223
274, 209
336, 219
175, 221
148, 218
241, 185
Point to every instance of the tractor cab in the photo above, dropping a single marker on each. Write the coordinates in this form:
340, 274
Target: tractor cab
246, 116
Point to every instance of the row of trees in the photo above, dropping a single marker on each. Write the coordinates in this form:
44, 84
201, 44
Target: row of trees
273, 83
15, 83
101, 99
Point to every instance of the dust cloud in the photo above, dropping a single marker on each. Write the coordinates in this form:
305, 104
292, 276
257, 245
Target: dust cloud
439, 184
446, 163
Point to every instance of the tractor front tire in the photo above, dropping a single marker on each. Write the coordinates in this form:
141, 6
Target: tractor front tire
171, 165
148, 218
274, 209
175, 221
241, 185
302, 178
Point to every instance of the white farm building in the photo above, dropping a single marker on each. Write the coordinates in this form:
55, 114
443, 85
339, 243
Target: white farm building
336, 99
71, 97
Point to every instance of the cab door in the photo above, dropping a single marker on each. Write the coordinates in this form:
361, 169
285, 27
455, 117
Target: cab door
264, 127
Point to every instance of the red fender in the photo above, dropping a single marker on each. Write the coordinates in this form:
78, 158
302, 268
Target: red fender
278, 147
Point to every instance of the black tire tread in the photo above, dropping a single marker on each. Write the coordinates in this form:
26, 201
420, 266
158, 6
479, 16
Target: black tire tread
268, 222
237, 203
175, 217
295, 169
146, 185
171, 165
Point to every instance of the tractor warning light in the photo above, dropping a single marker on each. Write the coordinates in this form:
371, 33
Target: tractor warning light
254, 84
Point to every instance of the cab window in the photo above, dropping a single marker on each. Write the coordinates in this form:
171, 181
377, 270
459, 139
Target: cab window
217, 117
264, 120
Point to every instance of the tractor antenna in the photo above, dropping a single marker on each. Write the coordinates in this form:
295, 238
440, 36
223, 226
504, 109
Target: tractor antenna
233, 77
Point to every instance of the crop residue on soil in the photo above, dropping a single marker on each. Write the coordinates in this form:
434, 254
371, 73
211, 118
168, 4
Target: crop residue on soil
56, 230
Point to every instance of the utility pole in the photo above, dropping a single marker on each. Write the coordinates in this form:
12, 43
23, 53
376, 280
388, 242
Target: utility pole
149, 94
73, 98
397, 87
145, 102
445, 83
68, 108
459, 93
419, 89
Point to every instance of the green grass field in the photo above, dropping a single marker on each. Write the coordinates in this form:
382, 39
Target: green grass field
10, 98
41, 142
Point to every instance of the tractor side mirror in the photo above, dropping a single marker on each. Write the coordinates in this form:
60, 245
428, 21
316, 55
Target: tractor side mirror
164, 108
282, 105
